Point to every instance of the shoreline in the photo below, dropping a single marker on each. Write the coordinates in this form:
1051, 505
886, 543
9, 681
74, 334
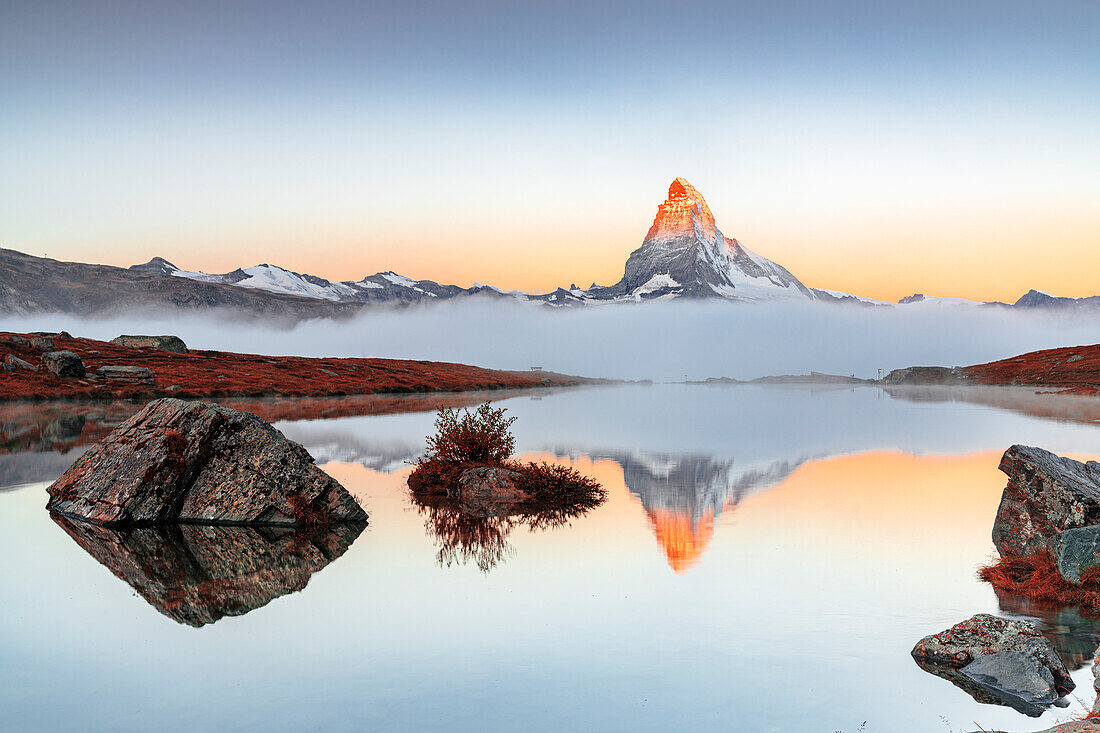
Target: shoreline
197, 374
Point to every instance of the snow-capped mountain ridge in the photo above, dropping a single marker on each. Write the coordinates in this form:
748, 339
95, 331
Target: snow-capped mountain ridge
684, 255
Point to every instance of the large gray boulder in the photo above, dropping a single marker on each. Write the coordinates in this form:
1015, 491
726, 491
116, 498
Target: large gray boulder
63, 364
983, 635
1046, 494
1015, 673
198, 462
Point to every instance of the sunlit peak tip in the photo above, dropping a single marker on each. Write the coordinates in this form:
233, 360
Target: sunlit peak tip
681, 187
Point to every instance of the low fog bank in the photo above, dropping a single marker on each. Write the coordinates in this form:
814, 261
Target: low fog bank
660, 341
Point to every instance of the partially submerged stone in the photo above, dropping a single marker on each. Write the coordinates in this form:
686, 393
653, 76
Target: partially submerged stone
173, 344
1015, 673
983, 635
63, 364
198, 462
1046, 494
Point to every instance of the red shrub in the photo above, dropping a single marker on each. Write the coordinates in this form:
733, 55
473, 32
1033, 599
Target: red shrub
1036, 576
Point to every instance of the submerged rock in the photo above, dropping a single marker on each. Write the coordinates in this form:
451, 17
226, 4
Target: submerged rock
196, 575
950, 653
198, 462
63, 364
173, 344
1016, 673
1046, 494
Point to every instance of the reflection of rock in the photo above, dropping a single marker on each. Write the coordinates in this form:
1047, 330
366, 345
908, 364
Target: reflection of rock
198, 574
199, 462
951, 653
1046, 494
1075, 636
980, 693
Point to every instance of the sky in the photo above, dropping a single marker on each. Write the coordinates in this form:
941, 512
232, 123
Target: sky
872, 147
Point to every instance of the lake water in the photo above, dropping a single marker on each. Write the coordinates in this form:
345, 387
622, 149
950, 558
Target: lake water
765, 561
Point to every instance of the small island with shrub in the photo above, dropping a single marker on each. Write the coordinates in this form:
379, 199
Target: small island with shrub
474, 493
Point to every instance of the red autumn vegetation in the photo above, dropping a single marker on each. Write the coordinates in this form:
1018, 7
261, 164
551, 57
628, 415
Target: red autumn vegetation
1071, 368
465, 440
1036, 576
197, 374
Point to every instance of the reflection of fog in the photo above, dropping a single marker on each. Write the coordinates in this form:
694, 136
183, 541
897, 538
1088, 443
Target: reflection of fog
196, 574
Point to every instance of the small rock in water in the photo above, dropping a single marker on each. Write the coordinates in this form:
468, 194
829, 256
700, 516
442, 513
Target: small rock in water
1016, 673
1046, 494
983, 635
177, 461
63, 364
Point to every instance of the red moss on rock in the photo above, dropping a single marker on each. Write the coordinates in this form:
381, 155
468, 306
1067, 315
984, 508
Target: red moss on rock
224, 374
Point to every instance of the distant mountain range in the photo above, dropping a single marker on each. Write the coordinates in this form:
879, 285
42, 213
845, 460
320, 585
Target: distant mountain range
684, 255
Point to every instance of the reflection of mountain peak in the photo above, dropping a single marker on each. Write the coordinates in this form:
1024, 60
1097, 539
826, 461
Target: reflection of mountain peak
684, 539
683, 494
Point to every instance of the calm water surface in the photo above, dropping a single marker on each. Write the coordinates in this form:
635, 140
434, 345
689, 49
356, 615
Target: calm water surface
765, 561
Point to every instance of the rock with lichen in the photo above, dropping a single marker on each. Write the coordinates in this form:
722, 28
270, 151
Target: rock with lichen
198, 462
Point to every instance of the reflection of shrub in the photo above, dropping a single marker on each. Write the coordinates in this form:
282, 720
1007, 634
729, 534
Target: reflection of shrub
464, 440
1036, 576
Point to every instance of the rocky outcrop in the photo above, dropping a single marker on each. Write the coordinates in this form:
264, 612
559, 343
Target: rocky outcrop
128, 375
196, 575
926, 375
1008, 679
63, 364
198, 462
487, 491
1046, 494
173, 344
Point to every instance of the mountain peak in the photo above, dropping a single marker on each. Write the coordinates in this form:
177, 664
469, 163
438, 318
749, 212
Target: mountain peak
158, 265
680, 188
684, 212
